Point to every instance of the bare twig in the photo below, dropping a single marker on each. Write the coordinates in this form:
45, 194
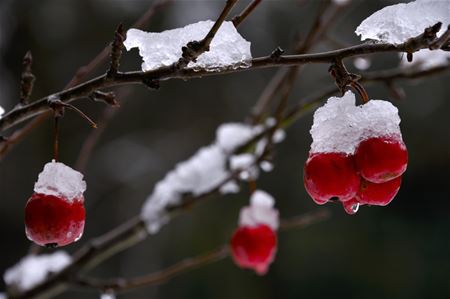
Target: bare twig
27, 79
237, 20
116, 51
441, 41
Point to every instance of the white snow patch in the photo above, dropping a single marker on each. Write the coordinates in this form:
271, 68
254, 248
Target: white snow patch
340, 125
245, 162
341, 2
396, 23
260, 211
2, 111
33, 269
3, 296
108, 295
362, 63
59, 179
230, 187
227, 49
232, 135
266, 166
426, 59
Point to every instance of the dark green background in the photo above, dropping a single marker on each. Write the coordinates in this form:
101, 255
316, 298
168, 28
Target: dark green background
400, 251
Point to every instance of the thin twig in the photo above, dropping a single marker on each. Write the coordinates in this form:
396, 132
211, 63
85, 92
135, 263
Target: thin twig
27, 79
237, 20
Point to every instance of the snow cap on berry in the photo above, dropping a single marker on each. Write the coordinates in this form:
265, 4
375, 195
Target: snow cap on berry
59, 179
340, 125
260, 211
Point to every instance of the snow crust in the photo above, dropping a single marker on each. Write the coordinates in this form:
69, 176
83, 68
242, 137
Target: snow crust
227, 49
260, 211
60, 180
426, 59
340, 125
33, 269
396, 23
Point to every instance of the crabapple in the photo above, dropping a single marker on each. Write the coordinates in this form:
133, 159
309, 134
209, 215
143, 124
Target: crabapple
351, 206
54, 221
254, 247
381, 159
378, 194
328, 175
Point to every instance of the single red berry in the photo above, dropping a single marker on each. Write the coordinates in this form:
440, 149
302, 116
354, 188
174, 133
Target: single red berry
54, 221
351, 206
381, 159
378, 194
328, 175
254, 247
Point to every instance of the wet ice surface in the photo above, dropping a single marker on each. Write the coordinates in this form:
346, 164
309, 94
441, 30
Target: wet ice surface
426, 59
340, 125
60, 180
260, 211
33, 269
396, 23
227, 49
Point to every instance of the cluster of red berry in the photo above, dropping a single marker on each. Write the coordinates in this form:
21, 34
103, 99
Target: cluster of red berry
55, 214
370, 174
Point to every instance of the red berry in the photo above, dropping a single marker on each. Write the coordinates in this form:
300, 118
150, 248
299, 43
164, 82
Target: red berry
254, 247
351, 206
378, 194
54, 221
328, 175
381, 159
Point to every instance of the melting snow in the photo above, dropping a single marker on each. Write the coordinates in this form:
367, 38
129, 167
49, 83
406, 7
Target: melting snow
340, 125
396, 23
260, 211
227, 49
60, 180
33, 269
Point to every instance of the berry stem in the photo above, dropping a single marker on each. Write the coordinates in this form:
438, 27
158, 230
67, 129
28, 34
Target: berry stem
56, 139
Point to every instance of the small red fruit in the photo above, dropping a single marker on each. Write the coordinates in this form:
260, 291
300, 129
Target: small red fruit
328, 175
54, 221
254, 247
381, 159
351, 206
378, 194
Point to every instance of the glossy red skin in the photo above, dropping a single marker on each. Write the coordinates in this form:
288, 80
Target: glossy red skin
349, 206
328, 175
378, 194
381, 159
254, 247
54, 221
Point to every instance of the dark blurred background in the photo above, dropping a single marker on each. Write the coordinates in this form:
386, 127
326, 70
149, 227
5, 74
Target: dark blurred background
399, 251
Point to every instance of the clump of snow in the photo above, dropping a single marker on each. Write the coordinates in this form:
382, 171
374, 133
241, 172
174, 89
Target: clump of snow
260, 211
108, 295
33, 269
397, 23
59, 179
3, 296
211, 167
232, 135
266, 166
227, 49
1, 111
362, 63
340, 125
426, 59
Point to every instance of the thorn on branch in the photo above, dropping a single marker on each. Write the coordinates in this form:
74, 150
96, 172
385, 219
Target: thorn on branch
105, 97
151, 83
59, 106
116, 51
27, 79
276, 54
409, 57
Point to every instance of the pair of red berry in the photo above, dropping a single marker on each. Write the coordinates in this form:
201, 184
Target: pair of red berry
55, 214
371, 176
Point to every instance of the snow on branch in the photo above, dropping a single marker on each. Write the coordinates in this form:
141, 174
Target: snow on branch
33, 269
228, 49
211, 167
397, 23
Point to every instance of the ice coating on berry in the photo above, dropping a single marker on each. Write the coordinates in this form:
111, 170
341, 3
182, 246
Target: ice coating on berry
351, 206
227, 49
260, 211
397, 23
254, 247
60, 180
339, 125
33, 269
